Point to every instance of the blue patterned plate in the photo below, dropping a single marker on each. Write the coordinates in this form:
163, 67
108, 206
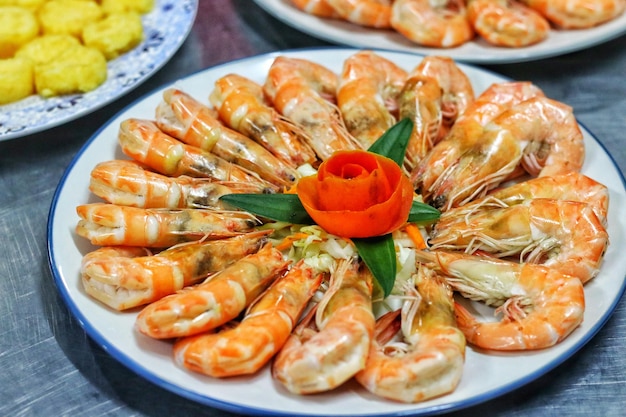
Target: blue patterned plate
165, 28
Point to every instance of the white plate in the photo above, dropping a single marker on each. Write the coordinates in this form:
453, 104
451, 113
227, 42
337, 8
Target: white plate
165, 29
476, 51
485, 376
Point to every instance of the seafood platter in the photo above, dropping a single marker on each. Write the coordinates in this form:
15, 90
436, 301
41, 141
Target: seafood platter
531, 32
481, 261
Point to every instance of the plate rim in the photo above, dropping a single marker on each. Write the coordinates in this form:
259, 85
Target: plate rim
82, 112
284, 12
131, 364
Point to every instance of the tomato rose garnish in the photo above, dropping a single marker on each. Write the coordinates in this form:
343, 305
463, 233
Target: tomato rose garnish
357, 194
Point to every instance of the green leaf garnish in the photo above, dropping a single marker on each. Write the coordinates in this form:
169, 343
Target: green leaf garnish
379, 254
279, 207
394, 141
422, 213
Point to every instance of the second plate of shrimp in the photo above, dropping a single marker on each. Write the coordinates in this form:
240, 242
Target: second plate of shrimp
468, 46
162, 331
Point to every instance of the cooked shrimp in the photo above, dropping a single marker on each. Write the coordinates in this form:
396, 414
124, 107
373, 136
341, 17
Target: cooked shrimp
470, 164
370, 13
124, 277
539, 306
249, 345
428, 362
572, 186
497, 98
128, 183
323, 355
541, 135
240, 103
578, 14
437, 23
319, 8
367, 95
561, 234
551, 137
193, 123
215, 301
143, 141
421, 102
304, 92
110, 224
457, 90
507, 23
436, 93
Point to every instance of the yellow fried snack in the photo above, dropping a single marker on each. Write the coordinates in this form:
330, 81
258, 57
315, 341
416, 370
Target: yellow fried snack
17, 26
68, 16
115, 34
16, 79
29, 4
118, 6
78, 69
46, 48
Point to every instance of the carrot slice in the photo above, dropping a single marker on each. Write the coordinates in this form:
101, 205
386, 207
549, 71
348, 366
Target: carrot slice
357, 194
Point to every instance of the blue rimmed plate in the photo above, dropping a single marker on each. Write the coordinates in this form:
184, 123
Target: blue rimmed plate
486, 376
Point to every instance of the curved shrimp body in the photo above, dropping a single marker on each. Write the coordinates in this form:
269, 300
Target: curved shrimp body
549, 133
441, 24
572, 186
193, 123
241, 104
215, 301
435, 94
457, 90
475, 162
497, 98
249, 345
564, 235
539, 306
370, 13
539, 134
128, 183
367, 95
302, 91
319, 8
429, 360
143, 141
421, 102
110, 224
321, 356
124, 277
507, 23
578, 14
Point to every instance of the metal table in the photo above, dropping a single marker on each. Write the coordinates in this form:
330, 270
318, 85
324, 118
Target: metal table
50, 367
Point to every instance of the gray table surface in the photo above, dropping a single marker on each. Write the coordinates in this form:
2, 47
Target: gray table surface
50, 367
